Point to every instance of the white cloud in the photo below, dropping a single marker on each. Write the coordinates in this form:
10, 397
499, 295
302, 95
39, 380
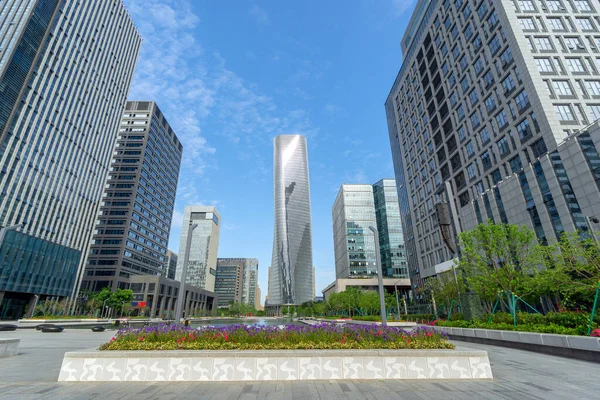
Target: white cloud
168, 72
259, 14
399, 7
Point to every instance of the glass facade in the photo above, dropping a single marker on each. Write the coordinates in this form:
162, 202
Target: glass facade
132, 231
356, 208
32, 265
291, 281
65, 71
389, 225
236, 281
202, 265
354, 243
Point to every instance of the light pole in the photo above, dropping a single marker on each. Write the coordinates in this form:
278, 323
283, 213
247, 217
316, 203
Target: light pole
186, 259
103, 304
397, 302
379, 276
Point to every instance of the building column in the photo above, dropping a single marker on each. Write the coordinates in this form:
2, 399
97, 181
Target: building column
153, 308
169, 307
163, 304
1, 296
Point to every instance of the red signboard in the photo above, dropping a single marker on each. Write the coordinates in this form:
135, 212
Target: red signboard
138, 304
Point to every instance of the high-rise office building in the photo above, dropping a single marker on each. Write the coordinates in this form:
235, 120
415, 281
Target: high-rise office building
489, 113
202, 265
250, 284
389, 226
356, 208
132, 229
65, 71
290, 277
228, 282
236, 281
354, 244
171, 264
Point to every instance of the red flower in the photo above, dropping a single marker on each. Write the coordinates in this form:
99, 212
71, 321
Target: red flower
595, 333
141, 339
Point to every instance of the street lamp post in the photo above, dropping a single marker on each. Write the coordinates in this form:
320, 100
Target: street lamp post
103, 304
397, 302
186, 259
379, 276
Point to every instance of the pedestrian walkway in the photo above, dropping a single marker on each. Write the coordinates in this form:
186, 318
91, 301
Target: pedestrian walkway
518, 375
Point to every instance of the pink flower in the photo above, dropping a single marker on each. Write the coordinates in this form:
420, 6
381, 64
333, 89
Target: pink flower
595, 333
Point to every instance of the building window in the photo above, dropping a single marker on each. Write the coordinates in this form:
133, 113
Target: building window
556, 24
515, 164
583, 5
526, 5
543, 43
562, 88
503, 146
585, 24
544, 65
593, 87
591, 155
539, 148
575, 65
522, 100
486, 160
564, 113
524, 130
526, 24
484, 135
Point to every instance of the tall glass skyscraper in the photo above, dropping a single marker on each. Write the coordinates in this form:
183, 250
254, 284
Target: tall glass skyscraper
65, 71
291, 277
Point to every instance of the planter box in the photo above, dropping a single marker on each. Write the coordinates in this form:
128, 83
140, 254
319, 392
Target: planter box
9, 347
273, 365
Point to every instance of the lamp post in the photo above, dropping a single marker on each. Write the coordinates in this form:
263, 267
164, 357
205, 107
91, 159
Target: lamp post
103, 304
397, 302
379, 276
186, 259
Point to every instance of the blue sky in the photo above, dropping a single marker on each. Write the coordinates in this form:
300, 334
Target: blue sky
230, 75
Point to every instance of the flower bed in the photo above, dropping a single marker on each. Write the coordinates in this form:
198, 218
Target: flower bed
292, 337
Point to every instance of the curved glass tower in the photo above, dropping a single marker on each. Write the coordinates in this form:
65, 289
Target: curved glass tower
291, 278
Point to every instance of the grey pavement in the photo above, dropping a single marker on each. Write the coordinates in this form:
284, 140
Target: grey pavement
517, 375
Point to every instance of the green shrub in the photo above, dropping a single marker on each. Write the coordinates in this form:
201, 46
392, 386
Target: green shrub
569, 319
457, 317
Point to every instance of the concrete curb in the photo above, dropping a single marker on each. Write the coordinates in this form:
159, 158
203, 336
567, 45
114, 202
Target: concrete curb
580, 347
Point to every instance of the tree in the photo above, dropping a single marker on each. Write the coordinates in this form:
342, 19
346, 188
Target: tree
446, 290
369, 302
574, 270
500, 258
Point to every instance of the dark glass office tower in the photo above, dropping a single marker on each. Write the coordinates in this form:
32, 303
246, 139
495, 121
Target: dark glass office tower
132, 231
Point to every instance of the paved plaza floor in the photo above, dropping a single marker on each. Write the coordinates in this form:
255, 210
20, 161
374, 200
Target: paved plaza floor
518, 375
